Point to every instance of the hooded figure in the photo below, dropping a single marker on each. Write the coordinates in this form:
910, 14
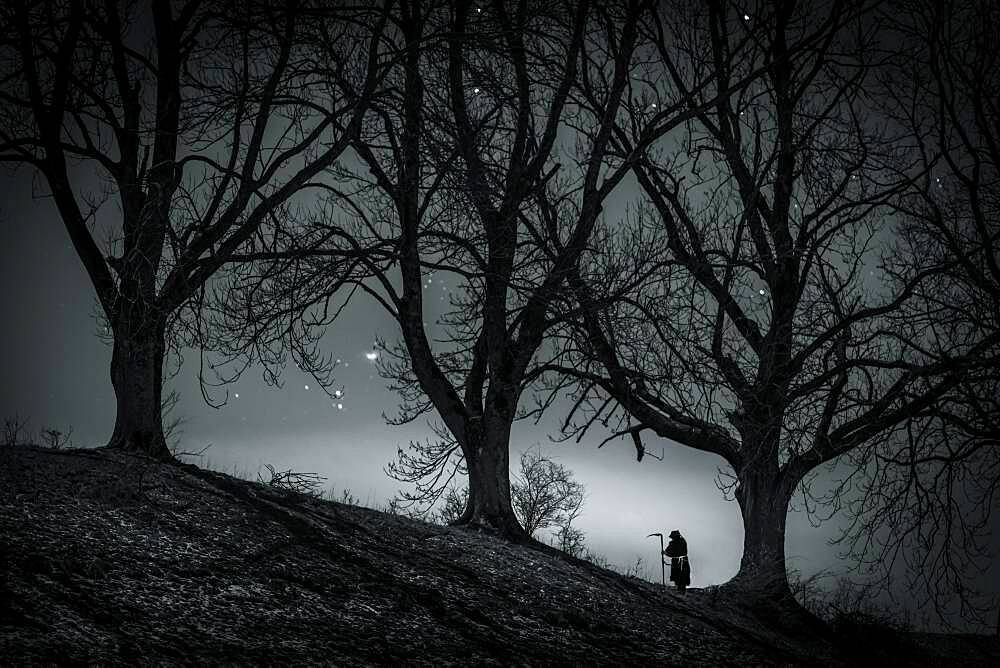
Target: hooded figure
680, 568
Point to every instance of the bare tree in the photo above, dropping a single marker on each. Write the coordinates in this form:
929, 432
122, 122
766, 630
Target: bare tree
201, 122
453, 164
769, 336
544, 495
571, 540
930, 488
453, 503
506, 149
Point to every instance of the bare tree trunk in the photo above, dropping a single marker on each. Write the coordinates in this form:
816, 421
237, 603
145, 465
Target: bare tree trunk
489, 505
137, 376
763, 498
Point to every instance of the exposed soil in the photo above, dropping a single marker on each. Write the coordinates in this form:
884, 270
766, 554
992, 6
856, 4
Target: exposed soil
115, 559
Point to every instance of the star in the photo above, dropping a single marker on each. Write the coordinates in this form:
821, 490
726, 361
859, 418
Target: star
371, 356
337, 393
746, 17
475, 90
762, 291
340, 407
307, 387
237, 395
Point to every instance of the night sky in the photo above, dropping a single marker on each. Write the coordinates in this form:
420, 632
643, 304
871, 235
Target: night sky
55, 372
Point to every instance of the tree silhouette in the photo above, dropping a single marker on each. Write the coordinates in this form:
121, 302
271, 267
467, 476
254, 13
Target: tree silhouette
769, 334
201, 122
929, 490
453, 164
544, 495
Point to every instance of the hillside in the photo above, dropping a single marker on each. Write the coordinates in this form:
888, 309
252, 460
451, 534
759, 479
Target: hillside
114, 559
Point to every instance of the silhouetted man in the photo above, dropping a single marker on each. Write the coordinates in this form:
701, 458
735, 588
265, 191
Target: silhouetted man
680, 569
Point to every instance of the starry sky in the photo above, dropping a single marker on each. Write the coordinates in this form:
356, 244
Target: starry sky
55, 373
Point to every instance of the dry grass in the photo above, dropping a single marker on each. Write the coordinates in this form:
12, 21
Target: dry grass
113, 559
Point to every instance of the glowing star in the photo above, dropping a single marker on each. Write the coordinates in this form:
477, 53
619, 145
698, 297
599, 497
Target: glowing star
372, 356
475, 90
338, 360
746, 17
237, 395
340, 407
337, 393
762, 292
307, 387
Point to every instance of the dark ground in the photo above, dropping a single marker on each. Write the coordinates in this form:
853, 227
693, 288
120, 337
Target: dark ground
113, 559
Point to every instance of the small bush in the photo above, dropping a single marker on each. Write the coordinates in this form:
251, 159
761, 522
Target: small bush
598, 560
346, 497
55, 439
294, 481
15, 431
570, 540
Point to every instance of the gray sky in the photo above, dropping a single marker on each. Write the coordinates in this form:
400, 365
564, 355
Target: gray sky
55, 372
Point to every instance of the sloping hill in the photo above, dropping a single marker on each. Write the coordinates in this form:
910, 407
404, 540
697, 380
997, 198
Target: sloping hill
109, 558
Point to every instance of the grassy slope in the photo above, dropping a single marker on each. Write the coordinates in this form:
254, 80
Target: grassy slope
116, 559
